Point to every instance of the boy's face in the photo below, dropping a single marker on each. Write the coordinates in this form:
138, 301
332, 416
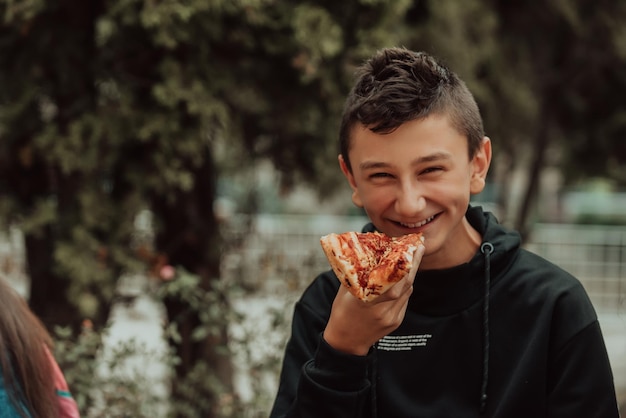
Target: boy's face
419, 179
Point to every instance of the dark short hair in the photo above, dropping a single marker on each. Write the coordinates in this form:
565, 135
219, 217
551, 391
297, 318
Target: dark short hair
397, 85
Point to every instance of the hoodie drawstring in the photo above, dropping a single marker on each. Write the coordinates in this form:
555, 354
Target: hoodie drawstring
486, 248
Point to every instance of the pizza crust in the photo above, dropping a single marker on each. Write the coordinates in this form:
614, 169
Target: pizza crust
341, 251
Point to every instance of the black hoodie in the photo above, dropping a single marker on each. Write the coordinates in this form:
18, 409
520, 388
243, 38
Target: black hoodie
506, 335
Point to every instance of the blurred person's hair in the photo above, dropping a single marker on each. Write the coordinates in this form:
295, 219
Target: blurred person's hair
25, 361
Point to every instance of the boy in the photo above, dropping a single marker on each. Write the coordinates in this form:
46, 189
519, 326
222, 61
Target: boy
485, 328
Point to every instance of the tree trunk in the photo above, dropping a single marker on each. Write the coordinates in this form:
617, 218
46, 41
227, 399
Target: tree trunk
48, 295
542, 141
189, 237
73, 96
503, 169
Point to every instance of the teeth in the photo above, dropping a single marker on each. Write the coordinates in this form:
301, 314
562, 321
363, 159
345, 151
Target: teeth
417, 225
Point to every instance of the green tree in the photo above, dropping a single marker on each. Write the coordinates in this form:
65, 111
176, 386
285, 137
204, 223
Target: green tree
52, 161
548, 78
574, 56
111, 108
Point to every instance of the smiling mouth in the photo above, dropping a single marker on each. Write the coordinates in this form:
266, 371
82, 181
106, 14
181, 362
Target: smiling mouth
418, 224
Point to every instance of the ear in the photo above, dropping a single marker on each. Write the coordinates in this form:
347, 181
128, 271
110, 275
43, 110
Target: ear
356, 199
480, 165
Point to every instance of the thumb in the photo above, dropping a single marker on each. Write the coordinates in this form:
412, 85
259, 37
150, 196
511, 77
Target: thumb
417, 259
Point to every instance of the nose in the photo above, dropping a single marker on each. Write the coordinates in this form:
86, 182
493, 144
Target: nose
410, 200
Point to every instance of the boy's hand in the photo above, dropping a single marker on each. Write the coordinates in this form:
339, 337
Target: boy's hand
354, 326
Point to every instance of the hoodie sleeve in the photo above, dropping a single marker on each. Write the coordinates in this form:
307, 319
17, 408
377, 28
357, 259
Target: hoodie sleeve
316, 380
581, 381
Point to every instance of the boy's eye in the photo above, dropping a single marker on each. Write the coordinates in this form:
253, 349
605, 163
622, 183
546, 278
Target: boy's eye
379, 175
431, 170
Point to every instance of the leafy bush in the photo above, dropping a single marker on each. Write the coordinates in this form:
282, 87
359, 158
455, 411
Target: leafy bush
115, 382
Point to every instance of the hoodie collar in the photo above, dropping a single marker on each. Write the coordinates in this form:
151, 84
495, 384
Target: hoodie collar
447, 291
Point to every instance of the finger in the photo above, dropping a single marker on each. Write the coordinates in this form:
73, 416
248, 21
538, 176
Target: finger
397, 291
417, 259
343, 292
345, 296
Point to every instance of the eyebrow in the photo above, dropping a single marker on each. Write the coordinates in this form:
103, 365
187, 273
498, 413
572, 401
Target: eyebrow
437, 156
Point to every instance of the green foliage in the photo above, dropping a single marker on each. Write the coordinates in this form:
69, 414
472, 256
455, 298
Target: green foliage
22, 10
75, 355
211, 307
105, 109
108, 385
115, 380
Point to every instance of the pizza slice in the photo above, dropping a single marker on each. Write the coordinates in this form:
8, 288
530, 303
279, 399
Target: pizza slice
369, 263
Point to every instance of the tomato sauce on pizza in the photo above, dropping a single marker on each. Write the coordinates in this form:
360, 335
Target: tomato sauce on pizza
369, 263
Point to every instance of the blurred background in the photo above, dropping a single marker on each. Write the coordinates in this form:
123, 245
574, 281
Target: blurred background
167, 168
